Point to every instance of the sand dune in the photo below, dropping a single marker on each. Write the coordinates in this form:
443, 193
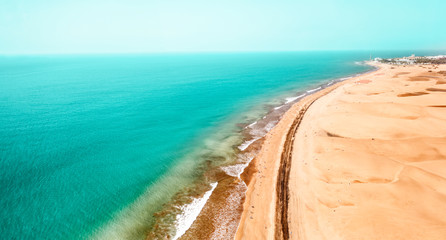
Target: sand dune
368, 161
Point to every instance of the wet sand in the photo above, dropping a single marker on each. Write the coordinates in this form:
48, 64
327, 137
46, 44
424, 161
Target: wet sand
362, 159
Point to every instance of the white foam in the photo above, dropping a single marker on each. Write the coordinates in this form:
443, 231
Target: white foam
313, 90
191, 212
290, 99
235, 170
270, 126
252, 124
279, 107
362, 63
246, 144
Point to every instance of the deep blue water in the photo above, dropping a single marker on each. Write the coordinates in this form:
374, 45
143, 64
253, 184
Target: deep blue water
83, 136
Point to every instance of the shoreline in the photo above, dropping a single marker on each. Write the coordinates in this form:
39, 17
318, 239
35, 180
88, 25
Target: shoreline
273, 148
228, 197
266, 212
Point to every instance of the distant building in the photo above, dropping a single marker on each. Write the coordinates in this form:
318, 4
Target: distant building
437, 57
405, 61
440, 59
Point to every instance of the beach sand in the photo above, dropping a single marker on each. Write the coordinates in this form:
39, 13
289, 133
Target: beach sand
362, 159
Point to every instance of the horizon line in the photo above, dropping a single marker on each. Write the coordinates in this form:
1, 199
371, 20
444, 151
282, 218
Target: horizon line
215, 52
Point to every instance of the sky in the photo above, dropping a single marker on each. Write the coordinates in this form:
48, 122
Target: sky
145, 26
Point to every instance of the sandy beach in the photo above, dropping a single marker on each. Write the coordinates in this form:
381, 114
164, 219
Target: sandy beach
362, 159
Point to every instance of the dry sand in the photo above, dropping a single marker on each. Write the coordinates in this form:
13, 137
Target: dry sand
367, 161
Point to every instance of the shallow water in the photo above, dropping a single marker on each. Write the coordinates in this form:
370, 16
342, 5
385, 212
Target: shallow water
93, 146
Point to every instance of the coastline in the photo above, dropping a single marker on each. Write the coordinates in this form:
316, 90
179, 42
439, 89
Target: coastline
277, 194
261, 224
220, 214
171, 204
220, 217
203, 188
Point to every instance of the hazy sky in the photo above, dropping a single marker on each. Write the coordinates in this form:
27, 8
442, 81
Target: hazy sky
105, 26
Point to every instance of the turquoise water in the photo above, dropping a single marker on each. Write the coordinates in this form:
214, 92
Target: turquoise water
84, 139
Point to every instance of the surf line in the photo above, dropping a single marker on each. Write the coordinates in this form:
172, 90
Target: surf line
190, 213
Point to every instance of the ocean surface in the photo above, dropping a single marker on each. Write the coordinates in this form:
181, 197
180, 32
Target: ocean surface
92, 146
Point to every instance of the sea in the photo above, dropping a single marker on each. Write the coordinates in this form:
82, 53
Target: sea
132, 146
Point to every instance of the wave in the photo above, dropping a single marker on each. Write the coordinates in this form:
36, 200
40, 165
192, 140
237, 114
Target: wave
251, 125
361, 63
291, 99
190, 212
314, 90
246, 144
236, 170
